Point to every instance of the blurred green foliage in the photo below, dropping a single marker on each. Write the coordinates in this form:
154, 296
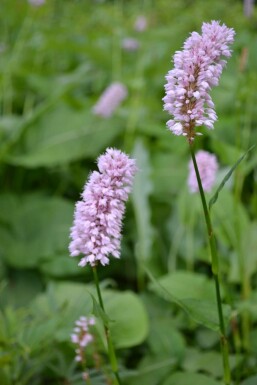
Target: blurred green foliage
55, 61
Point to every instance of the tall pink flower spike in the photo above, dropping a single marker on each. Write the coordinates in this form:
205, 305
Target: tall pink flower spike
196, 70
96, 231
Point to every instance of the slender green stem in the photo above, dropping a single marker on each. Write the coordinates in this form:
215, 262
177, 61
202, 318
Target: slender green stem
215, 272
245, 283
111, 350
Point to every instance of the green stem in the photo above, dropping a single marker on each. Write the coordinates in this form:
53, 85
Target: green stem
215, 272
245, 284
111, 350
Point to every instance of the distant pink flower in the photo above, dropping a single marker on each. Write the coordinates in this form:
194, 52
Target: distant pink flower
96, 231
140, 23
110, 99
37, 3
208, 167
196, 70
248, 7
130, 44
82, 336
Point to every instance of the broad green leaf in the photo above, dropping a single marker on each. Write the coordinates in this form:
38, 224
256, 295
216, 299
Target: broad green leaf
160, 345
249, 381
180, 378
62, 135
60, 266
249, 305
21, 288
186, 284
12, 127
206, 312
151, 370
194, 293
34, 227
226, 178
5, 375
162, 352
129, 322
209, 362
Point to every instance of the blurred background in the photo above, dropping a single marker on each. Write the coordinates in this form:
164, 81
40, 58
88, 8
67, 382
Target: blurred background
57, 58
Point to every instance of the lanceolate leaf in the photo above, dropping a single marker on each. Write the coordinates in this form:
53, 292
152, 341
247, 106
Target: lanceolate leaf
193, 296
99, 312
226, 178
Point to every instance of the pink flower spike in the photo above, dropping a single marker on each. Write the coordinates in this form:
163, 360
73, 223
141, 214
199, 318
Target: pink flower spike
82, 336
208, 167
110, 100
96, 230
36, 3
140, 24
197, 68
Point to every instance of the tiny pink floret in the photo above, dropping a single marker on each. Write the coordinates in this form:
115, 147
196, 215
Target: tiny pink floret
96, 231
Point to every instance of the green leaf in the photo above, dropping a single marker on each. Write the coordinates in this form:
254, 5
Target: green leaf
129, 321
209, 362
62, 135
21, 288
186, 284
60, 266
99, 312
34, 228
12, 128
151, 370
250, 381
168, 174
226, 178
205, 312
180, 378
194, 293
142, 189
5, 375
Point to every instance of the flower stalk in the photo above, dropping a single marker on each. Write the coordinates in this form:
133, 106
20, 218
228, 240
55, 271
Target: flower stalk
111, 350
215, 272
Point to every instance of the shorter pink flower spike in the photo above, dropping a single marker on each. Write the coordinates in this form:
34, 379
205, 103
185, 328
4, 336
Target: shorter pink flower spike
36, 3
140, 23
130, 44
110, 99
81, 336
208, 166
96, 231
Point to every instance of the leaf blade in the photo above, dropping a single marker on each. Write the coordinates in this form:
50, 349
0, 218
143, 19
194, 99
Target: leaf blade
226, 178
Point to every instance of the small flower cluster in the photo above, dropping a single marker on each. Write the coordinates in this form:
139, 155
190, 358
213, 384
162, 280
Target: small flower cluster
130, 44
196, 70
81, 336
96, 231
110, 99
140, 23
208, 167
